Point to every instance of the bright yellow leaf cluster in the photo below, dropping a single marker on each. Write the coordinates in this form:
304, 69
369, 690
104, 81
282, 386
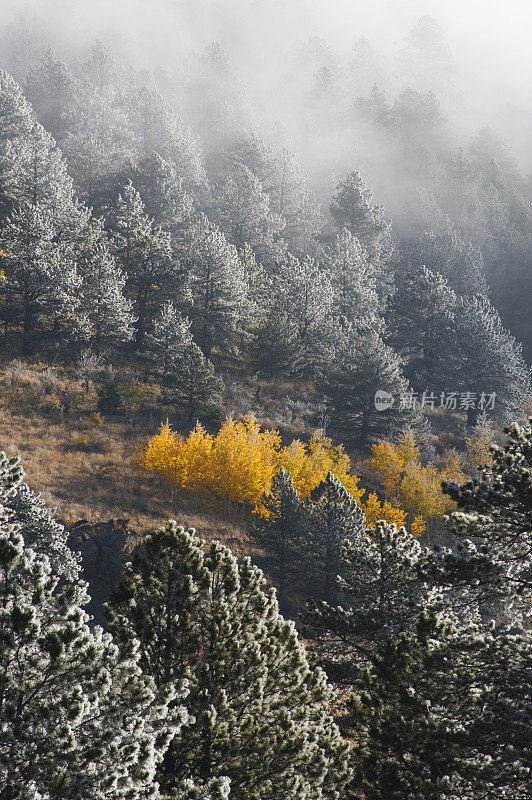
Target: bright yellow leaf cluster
239, 463
409, 484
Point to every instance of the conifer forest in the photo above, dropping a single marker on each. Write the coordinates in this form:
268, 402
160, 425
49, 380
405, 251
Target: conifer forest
265, 400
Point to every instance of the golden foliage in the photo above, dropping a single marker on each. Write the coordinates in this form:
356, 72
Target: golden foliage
376, 511
409, 484
239, 463
478, 446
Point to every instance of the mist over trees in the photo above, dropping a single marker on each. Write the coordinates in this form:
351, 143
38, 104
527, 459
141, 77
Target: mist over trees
290, 280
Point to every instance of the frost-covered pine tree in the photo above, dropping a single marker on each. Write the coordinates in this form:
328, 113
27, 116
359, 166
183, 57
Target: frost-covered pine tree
259, 710
103, 301
15, 127
422, 325
353, 279
39, 529
165, 200
217, 285
242, 211
159, 129
353, 208
489, 359
193, 385
144, 254
280, 527
443, 250
331, 516
303, 291
363, 366
78, 719
40, 287
380, 593
166, 342
53, 93
494, 525
444, 713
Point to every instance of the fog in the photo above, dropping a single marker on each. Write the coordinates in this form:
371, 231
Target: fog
488, 39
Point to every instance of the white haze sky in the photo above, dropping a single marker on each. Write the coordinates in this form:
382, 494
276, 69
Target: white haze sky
490, 39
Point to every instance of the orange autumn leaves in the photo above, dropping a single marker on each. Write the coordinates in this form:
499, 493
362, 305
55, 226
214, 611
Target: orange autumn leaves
239, 463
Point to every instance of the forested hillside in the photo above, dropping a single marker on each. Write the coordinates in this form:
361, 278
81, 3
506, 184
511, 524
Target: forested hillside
293, 315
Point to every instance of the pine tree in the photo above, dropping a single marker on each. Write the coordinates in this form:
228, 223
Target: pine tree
364, 366
380, 594
39, 529
166, 342
444, 251
491, 509
15, 127
443, 714
40, 287
78, 719
276, 348
489, 359
165, 200
353, 279
203, 615
158, 129
423, 326
331, 515
109, 312
278, 527
144, 254
353, 208
303, 291
242, 210
52, 91
193, 386
217, 285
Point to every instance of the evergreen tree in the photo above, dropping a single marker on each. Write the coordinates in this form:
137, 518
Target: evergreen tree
242, 210
423, 326
158, 129
303, 291
52, 91
40, 284
165, 200
364, 366
166, 342
444, 251
40, 530
144, 254
353, 208
193, 385
109, 312
90, 166
443, 714
278, 529
380, 590
353, 279
489, 359
494, 523
77, 717
276, 348
15, 127
331, 515
217, 285
203, 615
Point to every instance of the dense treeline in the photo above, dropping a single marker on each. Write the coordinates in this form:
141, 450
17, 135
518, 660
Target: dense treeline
156, 226
127, 224
202, 689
